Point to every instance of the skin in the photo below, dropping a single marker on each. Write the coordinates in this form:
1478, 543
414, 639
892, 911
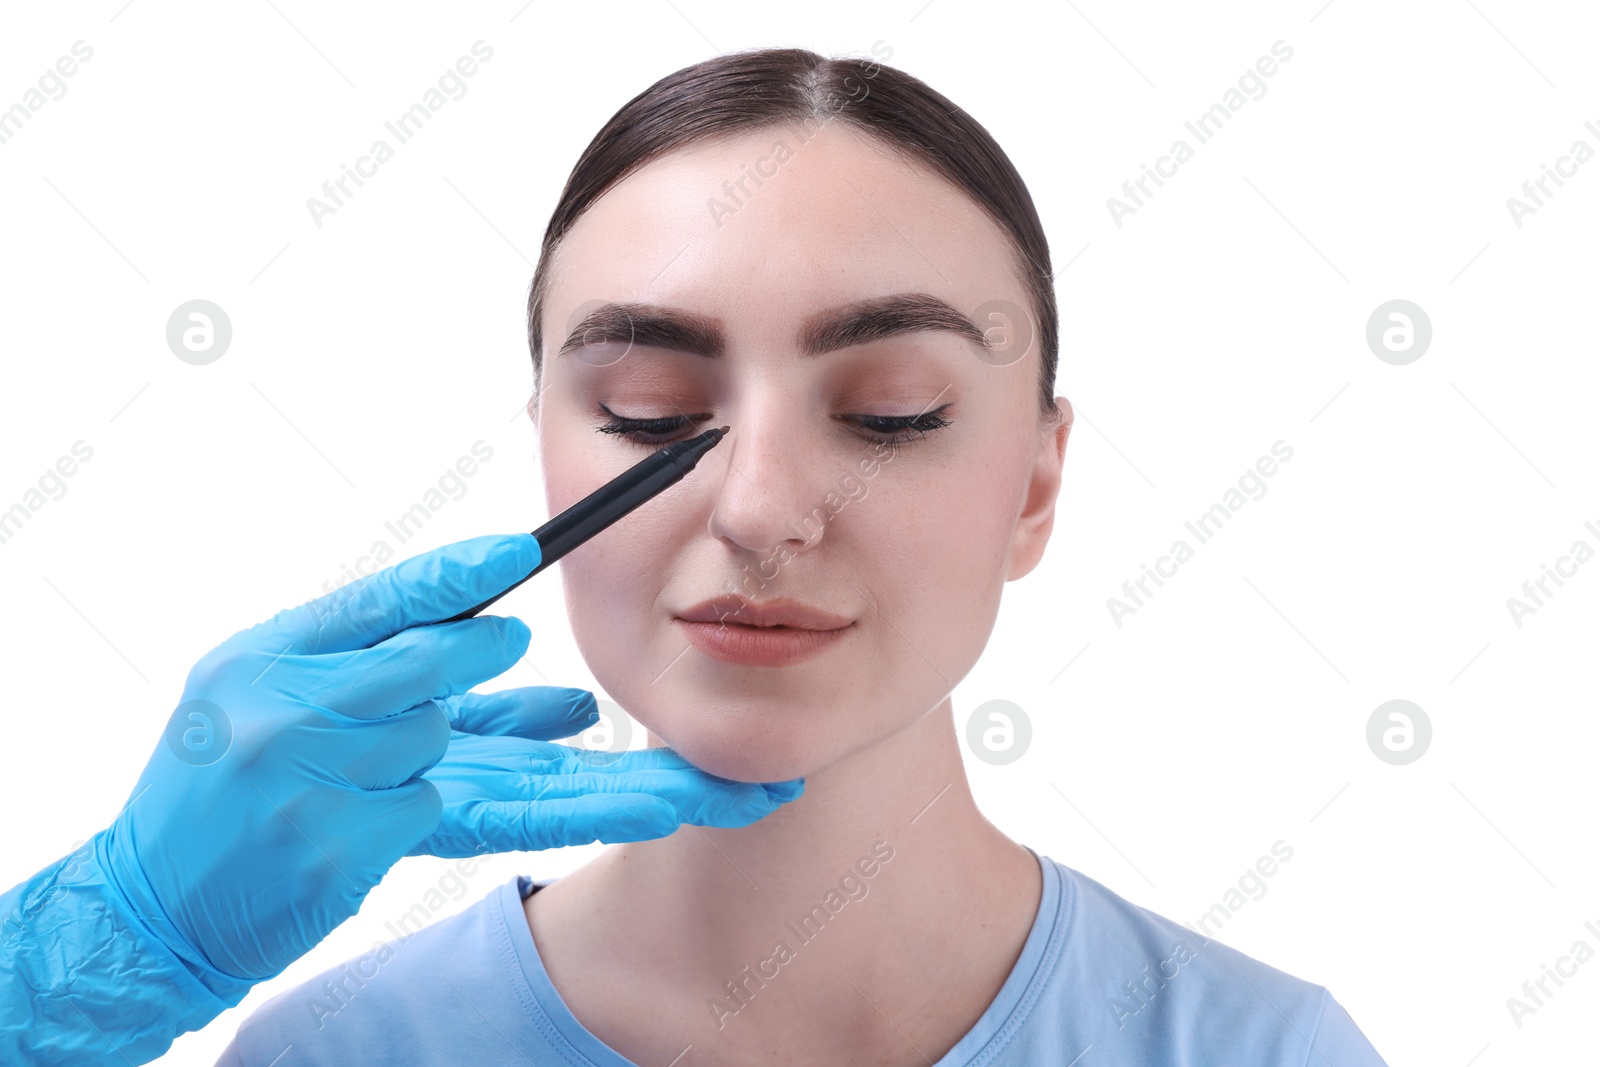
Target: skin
640, 941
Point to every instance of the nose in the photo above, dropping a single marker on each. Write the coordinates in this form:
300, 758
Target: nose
769, 494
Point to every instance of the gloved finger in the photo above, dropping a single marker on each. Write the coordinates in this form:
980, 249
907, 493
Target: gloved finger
512, 768
416, 665
660, 759
399, 748
491, 807
518, 826
424, 589
539, 712
698, 797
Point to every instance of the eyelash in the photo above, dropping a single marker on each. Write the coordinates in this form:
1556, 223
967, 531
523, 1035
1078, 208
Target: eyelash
654, 433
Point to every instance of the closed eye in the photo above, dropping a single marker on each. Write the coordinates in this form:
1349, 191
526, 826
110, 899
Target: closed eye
889, 429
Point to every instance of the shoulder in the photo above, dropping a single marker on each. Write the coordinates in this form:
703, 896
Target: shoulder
1159, 986
392, 1004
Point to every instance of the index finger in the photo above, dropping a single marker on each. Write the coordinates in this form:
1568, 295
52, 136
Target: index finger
418, 591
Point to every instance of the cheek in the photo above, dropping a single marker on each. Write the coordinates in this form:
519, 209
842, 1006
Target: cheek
611, 586
603, 578
946, 531
612, 583
926, 548
596, 610
946, 545
951, 580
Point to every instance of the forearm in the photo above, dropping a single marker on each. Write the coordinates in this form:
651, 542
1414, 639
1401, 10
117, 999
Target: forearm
84, 981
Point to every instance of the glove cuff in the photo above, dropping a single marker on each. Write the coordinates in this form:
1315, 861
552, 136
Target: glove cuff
86, 981
130, 890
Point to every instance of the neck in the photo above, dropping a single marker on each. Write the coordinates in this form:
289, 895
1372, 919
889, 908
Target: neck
908, 792
883, 870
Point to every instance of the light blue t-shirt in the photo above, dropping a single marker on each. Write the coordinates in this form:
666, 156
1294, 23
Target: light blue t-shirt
1100, 982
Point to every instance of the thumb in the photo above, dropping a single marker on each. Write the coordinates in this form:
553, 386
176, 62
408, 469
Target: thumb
401, 818
523, 826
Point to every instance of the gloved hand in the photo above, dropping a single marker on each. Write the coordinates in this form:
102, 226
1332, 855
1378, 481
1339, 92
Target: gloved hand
286, 785
298, 787
291, 778
507, 794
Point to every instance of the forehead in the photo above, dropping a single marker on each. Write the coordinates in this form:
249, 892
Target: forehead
763, 228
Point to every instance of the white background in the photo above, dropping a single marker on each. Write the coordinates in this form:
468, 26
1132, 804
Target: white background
1227, 314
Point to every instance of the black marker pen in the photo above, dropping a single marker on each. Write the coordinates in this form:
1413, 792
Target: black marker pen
611, 502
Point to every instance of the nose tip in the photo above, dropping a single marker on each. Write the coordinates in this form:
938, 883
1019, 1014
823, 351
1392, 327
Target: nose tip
758, 499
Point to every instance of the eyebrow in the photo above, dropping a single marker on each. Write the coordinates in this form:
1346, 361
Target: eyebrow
859, 323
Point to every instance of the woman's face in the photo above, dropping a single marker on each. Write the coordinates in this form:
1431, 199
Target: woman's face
745, 311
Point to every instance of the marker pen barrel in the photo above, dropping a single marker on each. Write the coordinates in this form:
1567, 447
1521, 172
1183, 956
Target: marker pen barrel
610, 502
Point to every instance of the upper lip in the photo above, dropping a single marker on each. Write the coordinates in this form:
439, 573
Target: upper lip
733, 607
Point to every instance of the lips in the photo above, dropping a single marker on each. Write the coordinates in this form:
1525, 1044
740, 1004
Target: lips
735, 609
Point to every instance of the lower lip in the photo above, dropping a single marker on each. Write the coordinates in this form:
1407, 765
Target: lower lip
759, 646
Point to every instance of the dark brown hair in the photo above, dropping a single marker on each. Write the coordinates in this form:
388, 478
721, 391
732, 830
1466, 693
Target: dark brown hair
753, 89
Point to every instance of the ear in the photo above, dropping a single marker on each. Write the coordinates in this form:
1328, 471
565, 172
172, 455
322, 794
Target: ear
1044, 485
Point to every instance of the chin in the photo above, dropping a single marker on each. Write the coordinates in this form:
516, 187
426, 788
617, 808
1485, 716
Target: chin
761, 755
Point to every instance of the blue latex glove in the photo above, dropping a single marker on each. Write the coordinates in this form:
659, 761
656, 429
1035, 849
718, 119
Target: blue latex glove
505, 794
290, 778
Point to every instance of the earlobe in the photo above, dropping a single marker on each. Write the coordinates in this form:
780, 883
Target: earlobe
1038, 514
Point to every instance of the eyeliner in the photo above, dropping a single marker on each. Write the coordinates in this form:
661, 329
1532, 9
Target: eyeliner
611, 502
